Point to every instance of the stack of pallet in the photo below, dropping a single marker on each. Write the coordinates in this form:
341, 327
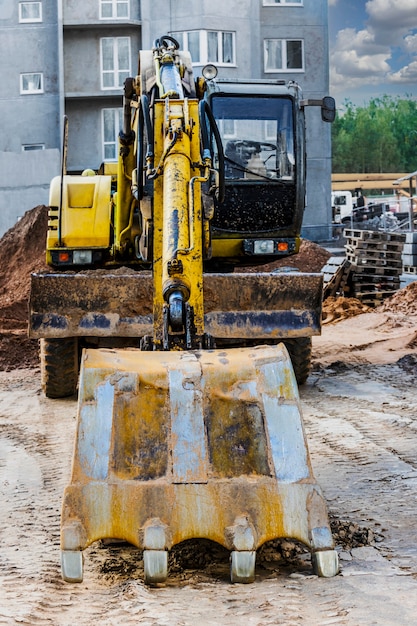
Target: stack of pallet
375, 259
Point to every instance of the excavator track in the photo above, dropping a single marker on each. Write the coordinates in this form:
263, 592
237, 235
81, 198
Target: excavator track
59, 367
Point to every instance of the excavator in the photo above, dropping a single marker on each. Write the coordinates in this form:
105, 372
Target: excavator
187, 357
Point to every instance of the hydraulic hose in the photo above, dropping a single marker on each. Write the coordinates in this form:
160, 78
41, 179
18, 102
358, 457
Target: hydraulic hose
149, 157
137, 189
204, 109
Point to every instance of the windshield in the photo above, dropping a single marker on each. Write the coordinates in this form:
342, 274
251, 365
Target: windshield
258, 136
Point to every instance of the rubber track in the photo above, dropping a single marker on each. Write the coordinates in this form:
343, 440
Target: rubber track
59, 367
300, 353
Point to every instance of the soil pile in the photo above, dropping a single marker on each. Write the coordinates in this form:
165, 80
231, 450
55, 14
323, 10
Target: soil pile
403, 301
22, 251
311, 258
340, 308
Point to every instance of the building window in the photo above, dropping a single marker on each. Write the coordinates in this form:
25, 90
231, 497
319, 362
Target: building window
31, 83
270, 130
30, 11
283, 55
208, 46
227, 128
29, 147
111, 124
287, 2
115, 61
114, 9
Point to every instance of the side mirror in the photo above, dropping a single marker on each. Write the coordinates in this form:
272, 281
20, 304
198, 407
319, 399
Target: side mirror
328, 109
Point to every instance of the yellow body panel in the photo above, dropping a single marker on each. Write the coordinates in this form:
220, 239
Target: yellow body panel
85, 215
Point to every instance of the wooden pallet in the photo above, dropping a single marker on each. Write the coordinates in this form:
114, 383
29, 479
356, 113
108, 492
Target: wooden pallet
374, 254
376, 270
334, 276
374, 244
367, 289
374, 262
373, 234
375, 298
388, 280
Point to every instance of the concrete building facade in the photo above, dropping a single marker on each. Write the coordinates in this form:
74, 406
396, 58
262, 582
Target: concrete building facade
72, 57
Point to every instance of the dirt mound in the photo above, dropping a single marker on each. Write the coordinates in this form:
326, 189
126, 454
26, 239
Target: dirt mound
22, 251
311, 258
341, 308
403, 301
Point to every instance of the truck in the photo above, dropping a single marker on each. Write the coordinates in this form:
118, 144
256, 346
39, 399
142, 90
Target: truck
187, 366
350, 208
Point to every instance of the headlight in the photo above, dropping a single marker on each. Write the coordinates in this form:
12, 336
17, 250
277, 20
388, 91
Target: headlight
209, 71
82, 257
263, 246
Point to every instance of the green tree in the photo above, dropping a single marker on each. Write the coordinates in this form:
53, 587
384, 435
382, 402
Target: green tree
379, 137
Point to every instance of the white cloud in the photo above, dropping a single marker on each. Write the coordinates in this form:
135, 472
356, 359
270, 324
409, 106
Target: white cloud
391, 13
391, 20
363, 57
405, 75
410, 43
356, 58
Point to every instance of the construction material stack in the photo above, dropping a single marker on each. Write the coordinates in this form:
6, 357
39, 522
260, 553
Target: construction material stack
409, 259
374, 264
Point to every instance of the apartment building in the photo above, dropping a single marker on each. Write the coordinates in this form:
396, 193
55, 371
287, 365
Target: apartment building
72, 56
29, 106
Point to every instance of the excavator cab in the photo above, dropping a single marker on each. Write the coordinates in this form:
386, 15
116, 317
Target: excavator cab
261, 127
190, 426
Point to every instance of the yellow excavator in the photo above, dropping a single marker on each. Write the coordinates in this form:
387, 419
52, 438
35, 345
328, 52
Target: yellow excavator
189, 422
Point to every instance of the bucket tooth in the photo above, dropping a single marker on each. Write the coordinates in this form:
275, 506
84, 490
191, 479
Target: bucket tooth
196, 444
325, 563
155, 566
72, 566
242, 566
243, 555
155, 555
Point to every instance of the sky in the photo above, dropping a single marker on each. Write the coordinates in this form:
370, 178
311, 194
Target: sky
373, 49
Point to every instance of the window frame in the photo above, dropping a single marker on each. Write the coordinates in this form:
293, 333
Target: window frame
203, 46
30, 20
32, 147
280, 3
114, 4
116, 69
26, 92
284, 55
118, 113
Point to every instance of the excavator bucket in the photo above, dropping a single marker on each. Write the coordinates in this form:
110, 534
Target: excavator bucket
178, 445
